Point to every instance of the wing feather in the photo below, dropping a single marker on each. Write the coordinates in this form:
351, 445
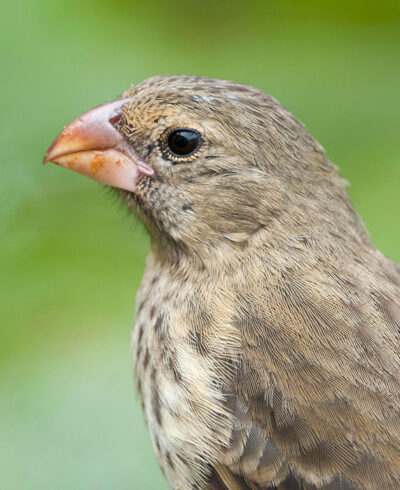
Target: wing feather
317, 391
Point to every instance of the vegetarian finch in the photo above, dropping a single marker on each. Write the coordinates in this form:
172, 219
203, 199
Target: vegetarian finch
267, 336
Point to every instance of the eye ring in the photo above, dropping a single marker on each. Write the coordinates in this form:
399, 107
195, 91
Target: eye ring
180, 144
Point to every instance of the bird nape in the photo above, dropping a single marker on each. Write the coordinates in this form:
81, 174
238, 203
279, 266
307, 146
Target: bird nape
267, 332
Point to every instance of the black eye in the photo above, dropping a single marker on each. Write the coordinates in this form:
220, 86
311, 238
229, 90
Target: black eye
183, 142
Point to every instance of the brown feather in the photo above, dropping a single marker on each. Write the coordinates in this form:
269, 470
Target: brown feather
267, 341
267, 335
222, 478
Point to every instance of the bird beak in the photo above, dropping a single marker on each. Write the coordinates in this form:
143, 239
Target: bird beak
92, 146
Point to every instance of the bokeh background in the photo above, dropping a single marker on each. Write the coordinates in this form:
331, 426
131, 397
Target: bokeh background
71, 257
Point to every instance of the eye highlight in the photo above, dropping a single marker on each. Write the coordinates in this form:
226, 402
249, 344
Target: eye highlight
180, 143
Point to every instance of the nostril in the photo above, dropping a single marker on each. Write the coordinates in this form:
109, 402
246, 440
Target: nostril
114, 120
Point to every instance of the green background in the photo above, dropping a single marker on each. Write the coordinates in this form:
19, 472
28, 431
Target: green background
71, 256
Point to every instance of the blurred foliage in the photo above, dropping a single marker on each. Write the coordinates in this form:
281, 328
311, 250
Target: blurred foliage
71, 257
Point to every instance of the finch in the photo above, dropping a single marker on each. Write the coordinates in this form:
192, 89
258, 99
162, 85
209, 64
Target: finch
266, 343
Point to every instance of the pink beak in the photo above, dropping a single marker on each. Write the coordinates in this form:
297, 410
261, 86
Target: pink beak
92, 146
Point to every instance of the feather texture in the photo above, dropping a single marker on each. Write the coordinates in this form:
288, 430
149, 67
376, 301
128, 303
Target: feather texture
267, 335
268, 329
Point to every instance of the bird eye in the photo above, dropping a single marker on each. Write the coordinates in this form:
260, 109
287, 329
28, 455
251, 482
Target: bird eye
183, 142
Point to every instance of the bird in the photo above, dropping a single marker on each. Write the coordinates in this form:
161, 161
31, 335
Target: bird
266, 343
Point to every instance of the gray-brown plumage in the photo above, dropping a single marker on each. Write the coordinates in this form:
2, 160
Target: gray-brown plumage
267, 336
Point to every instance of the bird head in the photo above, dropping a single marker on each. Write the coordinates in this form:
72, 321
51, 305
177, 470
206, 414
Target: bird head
206, 164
